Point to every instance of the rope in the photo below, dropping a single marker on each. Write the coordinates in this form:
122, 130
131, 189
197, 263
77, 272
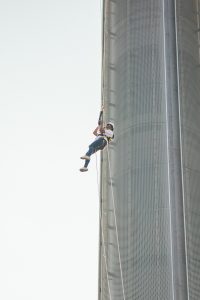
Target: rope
181, 151
102, 103
101, 218
117, 236
103, 239
103, 51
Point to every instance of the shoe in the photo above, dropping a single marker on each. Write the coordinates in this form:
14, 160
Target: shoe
85, 157
83, 169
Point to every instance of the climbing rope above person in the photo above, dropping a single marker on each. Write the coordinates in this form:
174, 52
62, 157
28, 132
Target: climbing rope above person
104, 135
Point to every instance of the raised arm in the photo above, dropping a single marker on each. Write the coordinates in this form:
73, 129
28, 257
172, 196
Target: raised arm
99, 129
95, 132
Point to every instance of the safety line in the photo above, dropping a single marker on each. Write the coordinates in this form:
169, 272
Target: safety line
102, 6
116, 229
168, 156
101, 228
181, 151
167, 133
102, 103
103, 52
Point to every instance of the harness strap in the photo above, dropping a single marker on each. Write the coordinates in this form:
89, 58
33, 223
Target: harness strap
108, 139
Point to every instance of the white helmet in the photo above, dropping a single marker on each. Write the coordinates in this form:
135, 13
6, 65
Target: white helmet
112, 124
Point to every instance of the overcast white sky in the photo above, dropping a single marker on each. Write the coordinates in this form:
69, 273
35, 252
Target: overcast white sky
50, 63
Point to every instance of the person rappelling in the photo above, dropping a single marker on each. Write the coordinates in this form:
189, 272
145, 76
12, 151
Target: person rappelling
104, 135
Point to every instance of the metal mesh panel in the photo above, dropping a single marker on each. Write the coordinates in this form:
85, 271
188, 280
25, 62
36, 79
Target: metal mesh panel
188, 14
155, 161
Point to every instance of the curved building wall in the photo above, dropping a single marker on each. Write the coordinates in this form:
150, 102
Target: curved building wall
188, 28
150, 55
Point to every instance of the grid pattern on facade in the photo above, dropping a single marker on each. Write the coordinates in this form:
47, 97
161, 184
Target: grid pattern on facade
188, 16
138, 158
135, 99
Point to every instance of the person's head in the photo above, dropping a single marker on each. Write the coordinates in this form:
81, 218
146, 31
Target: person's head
110, 126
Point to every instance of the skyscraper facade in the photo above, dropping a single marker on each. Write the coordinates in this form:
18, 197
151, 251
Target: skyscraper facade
150, 173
